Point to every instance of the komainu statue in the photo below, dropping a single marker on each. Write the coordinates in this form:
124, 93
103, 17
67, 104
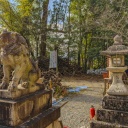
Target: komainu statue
15, 58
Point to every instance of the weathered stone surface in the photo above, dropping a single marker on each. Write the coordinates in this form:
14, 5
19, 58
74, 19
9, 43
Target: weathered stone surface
100, 124
19, 93
15, 57
114, 113
112, 116
15, 112
115, 103
55, 124
43, 120
115, 106
117, 87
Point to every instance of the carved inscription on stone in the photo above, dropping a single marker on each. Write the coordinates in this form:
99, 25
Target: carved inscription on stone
115, 103
112, 116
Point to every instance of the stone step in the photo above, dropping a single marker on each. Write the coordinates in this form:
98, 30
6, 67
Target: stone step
112, 116
115, 102
101, 124
42, 120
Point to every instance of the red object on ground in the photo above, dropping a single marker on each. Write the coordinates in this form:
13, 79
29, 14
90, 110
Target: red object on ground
92, 112
105, 74
65, 127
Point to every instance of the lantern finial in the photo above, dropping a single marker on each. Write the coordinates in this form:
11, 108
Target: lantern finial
118, 40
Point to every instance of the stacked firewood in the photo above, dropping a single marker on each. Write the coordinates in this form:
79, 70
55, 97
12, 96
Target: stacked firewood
43, 63
51, 80
52, 76
64, 67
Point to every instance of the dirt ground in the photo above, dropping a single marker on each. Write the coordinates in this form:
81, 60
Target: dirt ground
75, 114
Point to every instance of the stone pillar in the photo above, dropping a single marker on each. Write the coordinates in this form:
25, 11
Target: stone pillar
110, 65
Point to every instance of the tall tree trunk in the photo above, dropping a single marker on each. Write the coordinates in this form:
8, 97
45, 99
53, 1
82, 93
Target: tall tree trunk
44, 29
37, 46
69, 34
85, 54
30, 48
26, 32
80, 43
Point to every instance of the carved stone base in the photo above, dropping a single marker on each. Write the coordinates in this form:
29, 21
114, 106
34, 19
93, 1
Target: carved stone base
115, 103
15, 112
100, 124
112, 116
45, 119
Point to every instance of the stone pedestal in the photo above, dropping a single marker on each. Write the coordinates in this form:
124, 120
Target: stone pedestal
113, 114
117, 87
27, 111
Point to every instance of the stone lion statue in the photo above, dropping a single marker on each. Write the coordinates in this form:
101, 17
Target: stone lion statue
15, 57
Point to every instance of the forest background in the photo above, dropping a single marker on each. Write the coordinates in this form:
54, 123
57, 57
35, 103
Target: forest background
77, 29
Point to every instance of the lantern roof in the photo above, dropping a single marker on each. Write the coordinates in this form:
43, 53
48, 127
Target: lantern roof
117, 48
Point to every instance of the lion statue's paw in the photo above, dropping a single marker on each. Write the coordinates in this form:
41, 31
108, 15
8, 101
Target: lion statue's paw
23, 86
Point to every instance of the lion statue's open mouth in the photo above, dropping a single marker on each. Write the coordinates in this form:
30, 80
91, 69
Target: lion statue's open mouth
15, 57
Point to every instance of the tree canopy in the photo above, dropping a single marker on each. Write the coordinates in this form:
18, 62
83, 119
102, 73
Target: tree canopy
79, 29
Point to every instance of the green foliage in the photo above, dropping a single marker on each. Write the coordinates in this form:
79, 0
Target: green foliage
9, 17
24, 7
79, 28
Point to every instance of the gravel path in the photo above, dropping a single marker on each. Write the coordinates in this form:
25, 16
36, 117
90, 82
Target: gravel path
75, 114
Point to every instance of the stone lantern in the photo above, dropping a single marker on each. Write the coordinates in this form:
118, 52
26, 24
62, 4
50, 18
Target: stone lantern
116, 53
114, 110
